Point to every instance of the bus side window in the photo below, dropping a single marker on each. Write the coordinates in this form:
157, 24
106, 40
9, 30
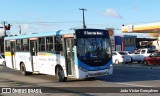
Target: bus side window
41, 44
49, 43
7, 46
58, 43
18, 45
25, 45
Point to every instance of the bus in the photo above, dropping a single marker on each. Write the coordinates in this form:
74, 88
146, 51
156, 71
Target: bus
74, 53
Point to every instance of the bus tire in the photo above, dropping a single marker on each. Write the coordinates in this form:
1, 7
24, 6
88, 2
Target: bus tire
60, 74
4, 63
23, 70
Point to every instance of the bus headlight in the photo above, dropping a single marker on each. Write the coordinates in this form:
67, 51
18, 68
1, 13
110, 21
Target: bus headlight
110, 66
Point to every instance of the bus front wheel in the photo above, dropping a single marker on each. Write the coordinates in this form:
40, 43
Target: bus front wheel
60, 74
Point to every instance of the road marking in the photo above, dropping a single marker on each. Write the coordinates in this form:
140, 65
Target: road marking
134, 85
129, 84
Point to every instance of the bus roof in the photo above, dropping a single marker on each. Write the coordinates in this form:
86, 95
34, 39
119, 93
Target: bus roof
41, 34
60, 32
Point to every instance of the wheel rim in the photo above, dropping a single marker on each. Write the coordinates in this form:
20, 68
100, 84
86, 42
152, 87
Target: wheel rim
23, 70
4, 64
60, 74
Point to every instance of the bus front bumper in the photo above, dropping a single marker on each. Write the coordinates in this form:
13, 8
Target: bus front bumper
85, 74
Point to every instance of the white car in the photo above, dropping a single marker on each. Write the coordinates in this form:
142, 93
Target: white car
2, 60
134, 56
120, 57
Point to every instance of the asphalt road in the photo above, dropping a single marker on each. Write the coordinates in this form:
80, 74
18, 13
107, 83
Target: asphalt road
123, 76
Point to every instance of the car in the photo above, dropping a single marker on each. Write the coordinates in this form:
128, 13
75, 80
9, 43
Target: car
153, 59
140, 54
134, 56
2, 60
131, 54
120, 57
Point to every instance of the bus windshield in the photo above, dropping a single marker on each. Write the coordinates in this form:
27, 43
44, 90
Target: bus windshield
94, 50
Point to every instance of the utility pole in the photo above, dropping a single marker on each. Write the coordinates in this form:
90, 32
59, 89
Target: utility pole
84, 25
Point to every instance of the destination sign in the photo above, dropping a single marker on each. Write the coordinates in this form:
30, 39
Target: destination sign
91, 33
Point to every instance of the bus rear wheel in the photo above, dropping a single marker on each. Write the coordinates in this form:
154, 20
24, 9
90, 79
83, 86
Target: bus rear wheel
23, 70
60, 74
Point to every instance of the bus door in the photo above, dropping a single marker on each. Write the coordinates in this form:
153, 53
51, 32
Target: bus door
33, 52
13, 54
69, 57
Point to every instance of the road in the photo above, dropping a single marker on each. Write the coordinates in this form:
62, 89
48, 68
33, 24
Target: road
123, 76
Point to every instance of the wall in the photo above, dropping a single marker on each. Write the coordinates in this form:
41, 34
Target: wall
118, 43
157, 44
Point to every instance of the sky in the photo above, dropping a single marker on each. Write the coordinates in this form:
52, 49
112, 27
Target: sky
32, 16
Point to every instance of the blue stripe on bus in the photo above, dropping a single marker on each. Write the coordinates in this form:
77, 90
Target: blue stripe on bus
89, 68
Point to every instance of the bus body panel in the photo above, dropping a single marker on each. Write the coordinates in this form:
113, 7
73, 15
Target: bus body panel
46, 62
8, 59
87, 74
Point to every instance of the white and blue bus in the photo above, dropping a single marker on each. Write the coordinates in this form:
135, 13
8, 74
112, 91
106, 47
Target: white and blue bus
77, 53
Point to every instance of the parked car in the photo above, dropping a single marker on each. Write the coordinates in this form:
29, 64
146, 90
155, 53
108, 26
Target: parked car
140, 54
154, 58
120, 57
2, 60
130, 54
134, 56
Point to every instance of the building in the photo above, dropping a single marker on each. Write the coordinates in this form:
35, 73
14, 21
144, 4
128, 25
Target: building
125, 43
153, 29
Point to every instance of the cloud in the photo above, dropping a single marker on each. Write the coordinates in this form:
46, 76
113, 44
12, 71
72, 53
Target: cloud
112, 13
25, 28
